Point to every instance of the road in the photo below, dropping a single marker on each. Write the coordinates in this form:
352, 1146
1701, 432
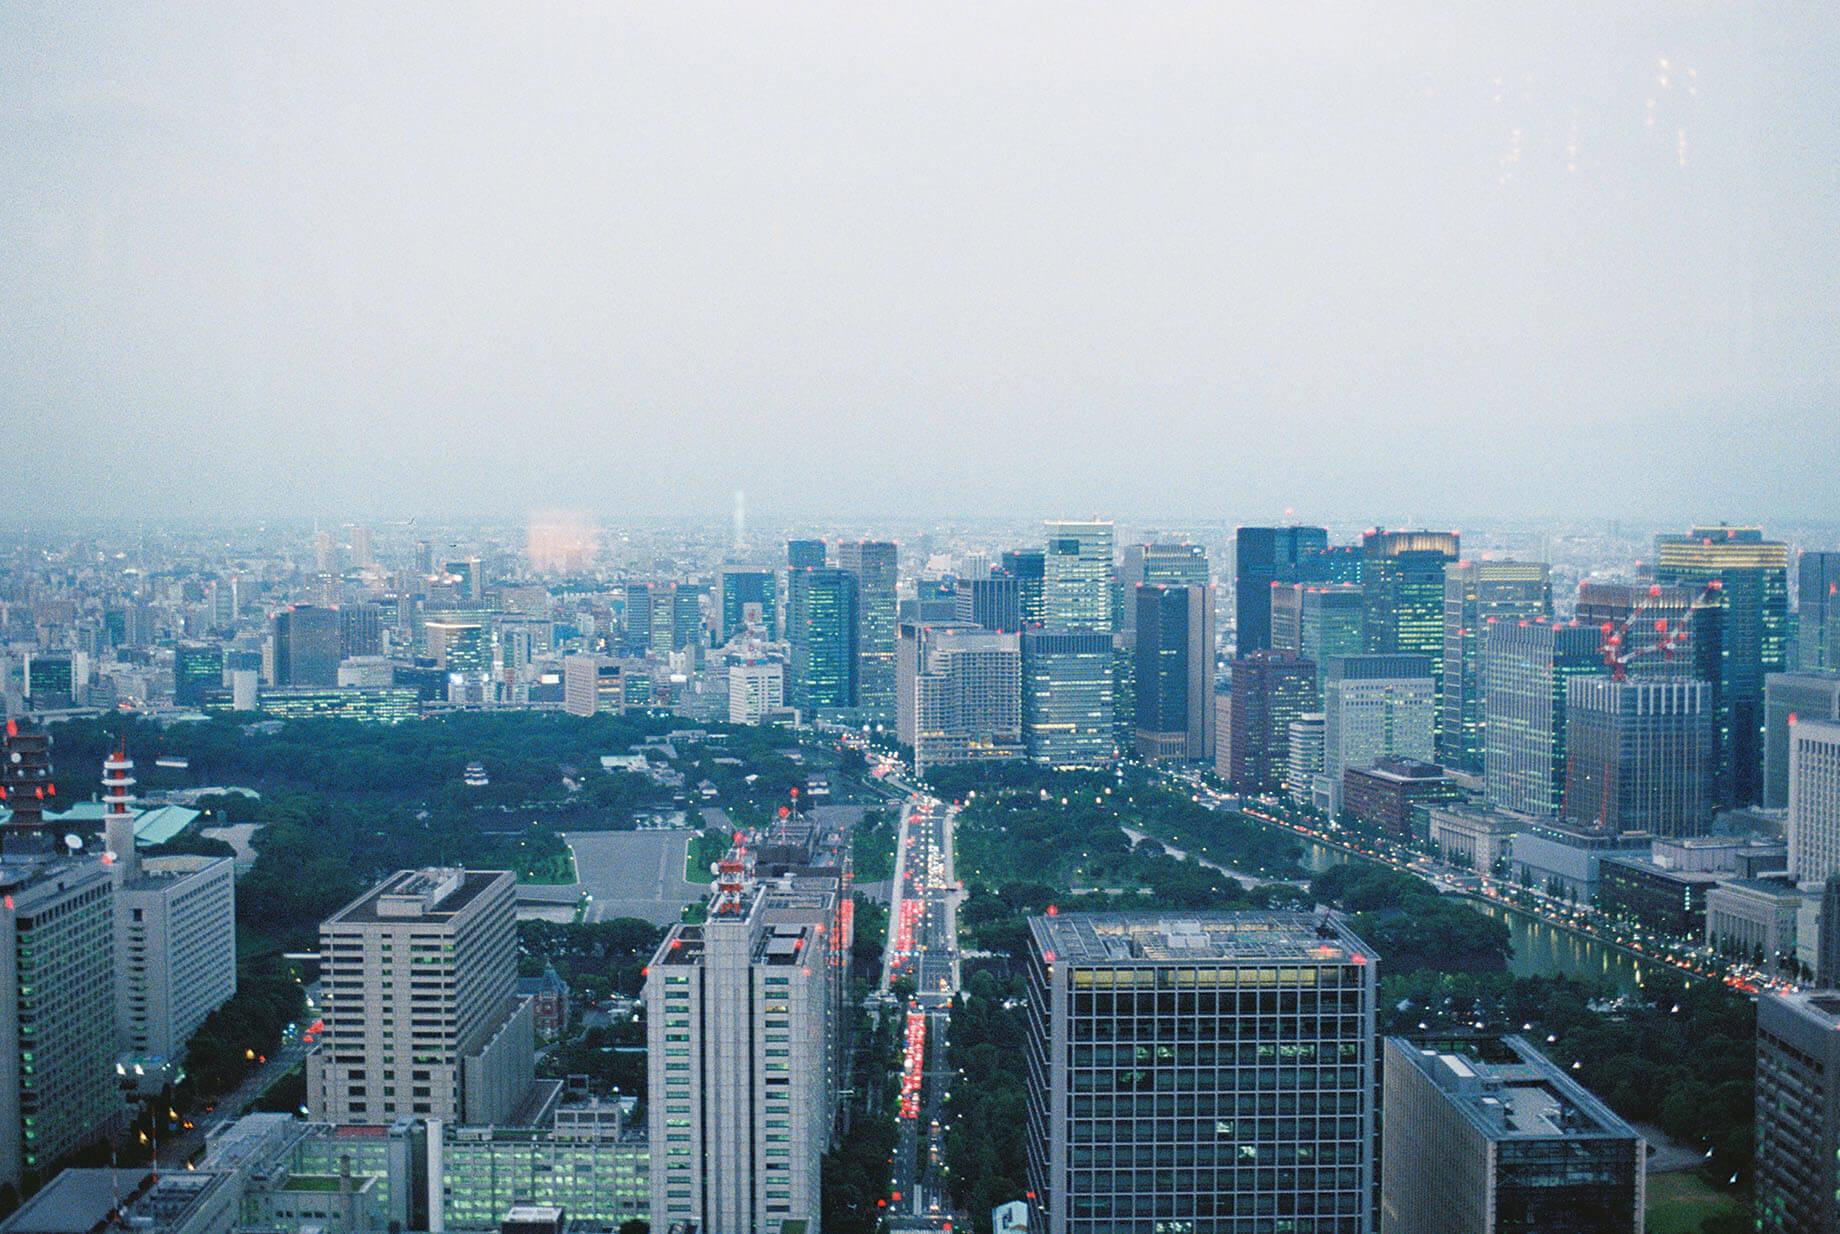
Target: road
1689, 956
923, 948
177, 1151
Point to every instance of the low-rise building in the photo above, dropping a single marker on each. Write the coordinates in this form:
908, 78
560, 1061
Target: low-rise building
1643, 891
1563, 863
82, 1201
1473, 837
1754, 919
1396, 793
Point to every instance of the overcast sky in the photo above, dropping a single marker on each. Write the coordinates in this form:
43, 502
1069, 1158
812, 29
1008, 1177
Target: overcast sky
353, 260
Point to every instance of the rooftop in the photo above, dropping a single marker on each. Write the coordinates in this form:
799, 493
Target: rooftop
1518, 1094
77, 1201
1124, 938
431, 894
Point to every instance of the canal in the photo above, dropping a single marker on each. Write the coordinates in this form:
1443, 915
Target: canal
1540, 949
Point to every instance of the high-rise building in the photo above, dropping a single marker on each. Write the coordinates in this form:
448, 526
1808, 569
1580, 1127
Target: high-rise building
1028, 566
1271, 690
1814, 800
959, 693
994, 602
592, 684
1304, 760
1527, 667
1817, 593
1159, 564
1263, 1024
1787, 699
873, 562
738, 1012
1329, 617
1264, 556
756, 690
805, 554
458, 644
1475, 593
1638, 755
1798, 1113
1402, 581
1374, 705
50, 680
467, 576
1287, 618
57, 977
420, 1003
1488, 1136
636, 619
197, 669
1067, 716
360, 630
1077, 576
1174, 681
1827, 950
1657, 627
749, 596
308, 645
822, 626
1747, 580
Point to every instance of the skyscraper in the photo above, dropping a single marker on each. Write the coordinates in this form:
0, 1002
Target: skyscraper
1374, 705
994, 602
1256, 1030
1817, 594
805, 554
873, 562
57, 977
822, 628
1263, 556
1305, 758
1067, 697
738, 1012
1077, 576
1747, 580
308, 646
1787, 699
1029, 566
1814, 800
749, 596
1160, 564
1487, 1136
1798, 1113
592, 684
1271, 690
1476, 592
1638, 755
1527, 668
960, 694
1402, 580
197, 668
420, 1004
1174, 682
636, 619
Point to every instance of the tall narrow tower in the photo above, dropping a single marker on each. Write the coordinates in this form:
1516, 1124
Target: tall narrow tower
26, 786
118, 812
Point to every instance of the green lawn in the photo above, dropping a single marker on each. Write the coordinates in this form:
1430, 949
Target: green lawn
706, 848
557, 869
1680, 1200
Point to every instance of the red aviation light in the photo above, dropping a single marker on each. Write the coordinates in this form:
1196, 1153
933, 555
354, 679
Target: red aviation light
1654, 590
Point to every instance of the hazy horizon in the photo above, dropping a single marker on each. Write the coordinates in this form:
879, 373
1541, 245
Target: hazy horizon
1211, 261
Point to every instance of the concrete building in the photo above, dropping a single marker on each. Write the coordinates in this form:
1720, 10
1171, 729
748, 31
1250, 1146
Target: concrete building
1304, 760
1395, 794
756, 691
994, 602
175, 946
1798, 1113
142, 1200
1527, 667
308, 645
1174, 678
1271, 690
1639, 890
1755, 919
420, 977
1814, 800
1201, 1072
738, 1043
592, 684
1067, 699
1373, 706
959, 694
1159, 565
1489, 1137
1789, 698
1475, 594
1077, 576
1264, 557
1477, 839
1563, 862
1638, 755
